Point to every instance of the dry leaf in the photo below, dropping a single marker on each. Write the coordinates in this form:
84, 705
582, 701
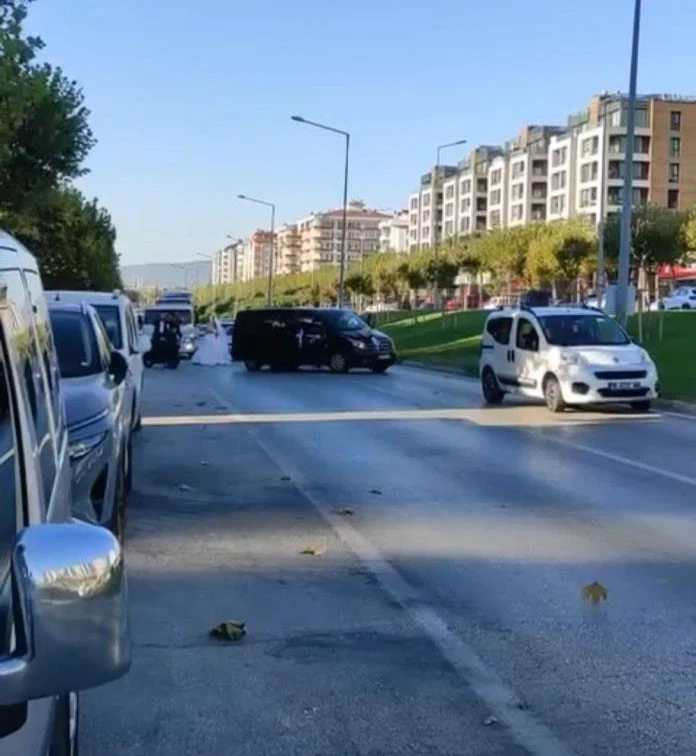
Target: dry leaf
376, 492
345, 511
233, 630
184, 487
594, 593
312, 551
488, 721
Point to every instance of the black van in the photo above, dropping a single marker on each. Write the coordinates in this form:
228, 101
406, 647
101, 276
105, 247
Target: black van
286, 338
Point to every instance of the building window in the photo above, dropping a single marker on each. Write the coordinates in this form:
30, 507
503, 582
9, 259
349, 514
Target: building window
413, 220
495, 197
496, 176
673, 173
426, 216
465, 225
558, 180
589, 172
517, 191
614, 195
465, 205
640, 196
494, 219
673, 199
481, 204
558, 205
414, 203
590, 146
426, 200
588, 197
449, 228
516, 212
559, 156
518, 169
675, 147
449, 209
675, 120
449, 191
466, 186
481, 186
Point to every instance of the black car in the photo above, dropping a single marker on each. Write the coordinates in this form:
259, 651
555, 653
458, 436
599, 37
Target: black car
286, 338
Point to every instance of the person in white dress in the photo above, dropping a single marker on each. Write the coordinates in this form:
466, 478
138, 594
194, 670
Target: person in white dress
212, 347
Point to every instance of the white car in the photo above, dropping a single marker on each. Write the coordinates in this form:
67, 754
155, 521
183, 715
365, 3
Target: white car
565, 356
682, 298
117, 313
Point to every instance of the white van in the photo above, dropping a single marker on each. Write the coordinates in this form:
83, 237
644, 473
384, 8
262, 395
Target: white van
63, 616
117, 313
565, 356
185, 315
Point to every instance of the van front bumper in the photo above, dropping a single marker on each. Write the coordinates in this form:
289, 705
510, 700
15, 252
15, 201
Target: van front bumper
600, 385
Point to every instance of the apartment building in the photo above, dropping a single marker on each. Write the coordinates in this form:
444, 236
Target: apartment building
393, 232
228, 263
288, 249
256, 256
321, 235
426, 207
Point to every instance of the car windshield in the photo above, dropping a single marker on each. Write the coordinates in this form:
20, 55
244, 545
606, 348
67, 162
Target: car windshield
583, 330
76, 345
185, 317
110, 316
344, 320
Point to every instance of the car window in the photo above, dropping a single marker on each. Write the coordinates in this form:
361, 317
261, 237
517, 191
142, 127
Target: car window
24, 349
47, 347
132, 329
583, 330
527, 336
78, 352
499, 329
9, 499
110, 316
104, 344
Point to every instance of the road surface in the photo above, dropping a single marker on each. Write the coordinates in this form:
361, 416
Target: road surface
445, 616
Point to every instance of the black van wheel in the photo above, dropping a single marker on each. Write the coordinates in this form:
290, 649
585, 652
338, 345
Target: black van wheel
379, 368
490, 389
339, 363
253, 366
553, 395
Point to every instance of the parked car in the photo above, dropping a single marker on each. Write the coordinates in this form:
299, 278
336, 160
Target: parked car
63, 618
286, 338
98, 415
682, 298
566, 356
118, 315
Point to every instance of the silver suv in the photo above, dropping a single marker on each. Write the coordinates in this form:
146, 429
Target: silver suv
63, 619
98, 415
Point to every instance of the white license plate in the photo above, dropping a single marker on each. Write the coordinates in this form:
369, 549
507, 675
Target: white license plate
619, 385
383, 356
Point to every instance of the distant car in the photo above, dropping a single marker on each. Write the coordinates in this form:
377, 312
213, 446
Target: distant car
63, 617
682, 298
566, 356
120, 320
93, 374
286, 338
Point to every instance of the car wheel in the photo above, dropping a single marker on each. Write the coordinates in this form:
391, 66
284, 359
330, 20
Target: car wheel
553, 395
642, 405
253, 366
66, 729
147, 360
138, 423
339, 363
686, 307
490, 389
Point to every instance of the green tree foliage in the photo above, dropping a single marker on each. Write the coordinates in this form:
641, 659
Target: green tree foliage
44, 140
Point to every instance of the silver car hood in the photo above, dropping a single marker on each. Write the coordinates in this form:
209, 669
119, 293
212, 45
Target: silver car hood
86, 398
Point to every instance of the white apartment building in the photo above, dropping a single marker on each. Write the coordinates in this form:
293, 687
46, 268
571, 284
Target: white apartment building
321, 236
256, 255
562, 163
227, 263
393, 233
426, 207
288, 249
498, 186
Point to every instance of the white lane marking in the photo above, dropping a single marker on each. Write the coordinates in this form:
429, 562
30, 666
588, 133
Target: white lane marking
528, 731
681, 415
644, 466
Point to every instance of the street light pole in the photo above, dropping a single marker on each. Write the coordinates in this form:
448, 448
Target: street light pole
271, 205
342, 265
437, 236
212, 279
627, 199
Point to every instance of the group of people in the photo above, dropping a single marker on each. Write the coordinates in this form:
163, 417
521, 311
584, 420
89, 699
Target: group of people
213, 347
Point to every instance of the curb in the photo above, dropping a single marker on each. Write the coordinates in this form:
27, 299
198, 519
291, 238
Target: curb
667, 405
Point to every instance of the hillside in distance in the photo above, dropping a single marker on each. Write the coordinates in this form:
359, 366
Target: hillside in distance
166, 275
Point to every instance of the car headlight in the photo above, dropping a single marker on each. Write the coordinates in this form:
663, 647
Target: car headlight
358, 344
83, 447
571, 358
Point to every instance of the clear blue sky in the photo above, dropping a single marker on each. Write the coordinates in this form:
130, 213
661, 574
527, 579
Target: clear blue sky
191, 101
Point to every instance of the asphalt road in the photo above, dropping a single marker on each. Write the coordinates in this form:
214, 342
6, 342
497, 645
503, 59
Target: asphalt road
445, 616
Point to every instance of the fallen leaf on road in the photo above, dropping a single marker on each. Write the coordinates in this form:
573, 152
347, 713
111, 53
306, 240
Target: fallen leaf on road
345, 511
312, 551
488, 721
201, 404
184, 487
376, 492
594, 593
229, 630
286, 478
204, 463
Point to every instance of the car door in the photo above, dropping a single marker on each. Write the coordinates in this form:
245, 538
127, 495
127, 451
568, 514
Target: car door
495, 345
135, 357
311, 338
525, 355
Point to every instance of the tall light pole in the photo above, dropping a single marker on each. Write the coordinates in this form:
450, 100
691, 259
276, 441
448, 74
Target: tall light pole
627, 199
185, 269
236, 241
342, 266
271, 262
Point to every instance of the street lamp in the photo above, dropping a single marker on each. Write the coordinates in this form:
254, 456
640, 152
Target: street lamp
627, 198
342, 266
272, 207
212, 280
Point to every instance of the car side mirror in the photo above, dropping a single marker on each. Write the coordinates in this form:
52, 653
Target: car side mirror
70, 613
118, 367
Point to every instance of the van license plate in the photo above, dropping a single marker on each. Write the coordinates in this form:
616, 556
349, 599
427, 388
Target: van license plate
383, 356
618, 385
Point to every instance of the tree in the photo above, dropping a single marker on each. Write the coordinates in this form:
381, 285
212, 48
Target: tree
689, 230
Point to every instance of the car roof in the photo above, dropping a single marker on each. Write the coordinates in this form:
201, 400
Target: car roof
542, 312
81, 308
14, 254
92, 297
